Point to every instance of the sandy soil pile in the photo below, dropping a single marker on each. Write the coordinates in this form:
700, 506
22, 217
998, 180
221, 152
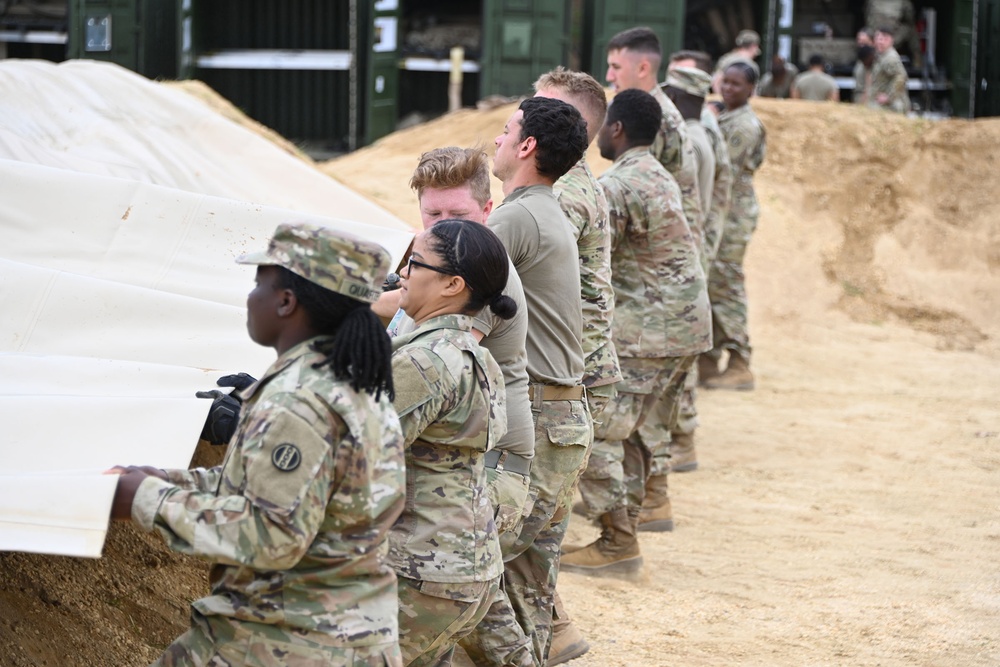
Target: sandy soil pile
845, 512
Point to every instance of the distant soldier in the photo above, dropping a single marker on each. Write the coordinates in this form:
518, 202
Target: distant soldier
888, 89
747, 49
726, 284
815, 84
296, 520
777, 82
863, 67
898, 16
634, 58
661, 316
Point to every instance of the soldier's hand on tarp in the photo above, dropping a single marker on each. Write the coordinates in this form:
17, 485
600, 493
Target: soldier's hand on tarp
129, 479
220, 424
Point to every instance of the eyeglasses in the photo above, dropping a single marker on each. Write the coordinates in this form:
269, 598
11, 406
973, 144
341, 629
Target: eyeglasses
410, 263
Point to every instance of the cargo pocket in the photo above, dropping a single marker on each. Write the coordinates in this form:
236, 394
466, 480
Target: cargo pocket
267, 652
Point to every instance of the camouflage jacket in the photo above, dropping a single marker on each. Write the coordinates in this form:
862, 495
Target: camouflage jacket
722, 186
297, 516
674, 150
451, 405
582, 199
747, 143
661, 295
889, 77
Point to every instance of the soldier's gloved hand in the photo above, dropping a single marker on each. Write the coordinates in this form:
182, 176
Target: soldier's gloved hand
222, 417
239, 381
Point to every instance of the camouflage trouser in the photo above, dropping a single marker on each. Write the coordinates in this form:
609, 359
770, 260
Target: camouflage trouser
656, 433
605, 483
223, 642
727, 287
498, 640
563, 433
433, 616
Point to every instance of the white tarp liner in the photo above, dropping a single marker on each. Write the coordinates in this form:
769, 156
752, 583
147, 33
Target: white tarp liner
121, 297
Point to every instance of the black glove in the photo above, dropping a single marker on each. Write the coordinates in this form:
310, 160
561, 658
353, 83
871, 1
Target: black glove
239, 381
225, 411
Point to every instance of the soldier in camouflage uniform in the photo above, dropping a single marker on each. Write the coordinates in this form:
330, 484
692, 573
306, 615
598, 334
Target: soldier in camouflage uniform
634, 57
888, 88
454, 183
746, 139
674, 451
296, 519
747, 50
661, 315
582, 199
452, 408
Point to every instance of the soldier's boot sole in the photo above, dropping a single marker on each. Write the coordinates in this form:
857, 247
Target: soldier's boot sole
657, 526
568, 644
658, 519
684, 467
619, 568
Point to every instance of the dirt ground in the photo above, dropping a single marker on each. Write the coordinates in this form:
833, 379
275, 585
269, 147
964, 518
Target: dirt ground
846, 512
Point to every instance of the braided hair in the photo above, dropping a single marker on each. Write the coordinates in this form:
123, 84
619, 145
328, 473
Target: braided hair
472, 251
360, 351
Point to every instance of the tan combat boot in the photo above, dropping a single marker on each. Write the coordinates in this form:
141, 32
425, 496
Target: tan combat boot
708, 369
656, 515
737, 376
568, 643
615, 552
682, 455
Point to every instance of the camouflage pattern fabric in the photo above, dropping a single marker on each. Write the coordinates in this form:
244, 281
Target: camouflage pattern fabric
661, 300
312, 481
656, 433
637, 455
602, 485
563, 435
889, 77
674, 151
220, 642
336, 260
747, 142
722, 186
582, 200
450, 400
498, 639
433, 616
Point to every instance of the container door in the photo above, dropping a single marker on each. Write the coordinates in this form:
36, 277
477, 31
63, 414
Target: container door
522, 39
382, 75
104, 30
988, 69
962, 63
603, 19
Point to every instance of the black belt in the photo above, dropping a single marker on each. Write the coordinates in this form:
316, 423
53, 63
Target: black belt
501, 459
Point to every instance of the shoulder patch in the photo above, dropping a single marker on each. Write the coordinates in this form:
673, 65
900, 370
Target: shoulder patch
286, 457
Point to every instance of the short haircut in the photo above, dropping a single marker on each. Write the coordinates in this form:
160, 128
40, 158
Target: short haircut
641, 40
887, 30
453, 167
639, 113
816, 59
747, 69
560, 134
580, 86
702, 60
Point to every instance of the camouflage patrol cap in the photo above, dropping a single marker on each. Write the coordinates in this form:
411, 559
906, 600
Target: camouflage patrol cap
336, 260
691, 80
747, 38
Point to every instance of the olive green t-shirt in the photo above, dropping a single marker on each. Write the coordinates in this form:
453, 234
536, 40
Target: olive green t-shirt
542, 246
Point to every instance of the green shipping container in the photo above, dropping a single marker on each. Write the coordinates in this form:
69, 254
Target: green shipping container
138, 34
522, 39
603, 19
